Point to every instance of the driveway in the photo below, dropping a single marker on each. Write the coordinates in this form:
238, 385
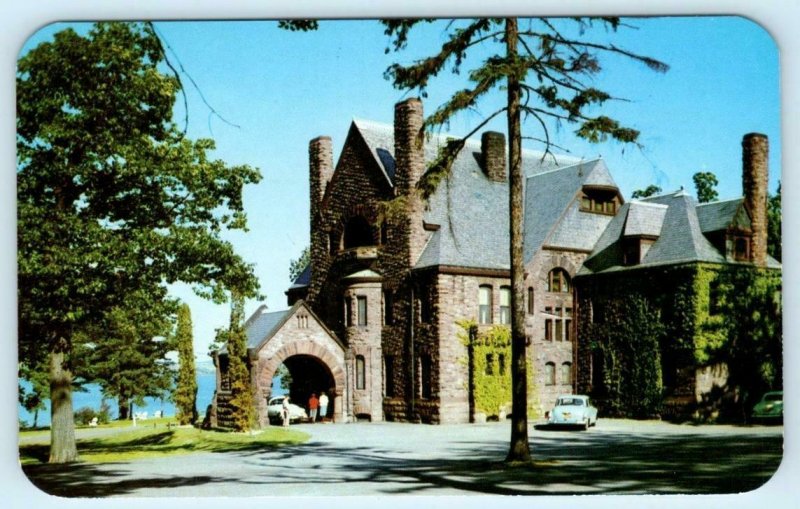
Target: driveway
617, 456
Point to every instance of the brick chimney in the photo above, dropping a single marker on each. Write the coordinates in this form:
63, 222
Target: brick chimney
409, 157
493, 155
755, 151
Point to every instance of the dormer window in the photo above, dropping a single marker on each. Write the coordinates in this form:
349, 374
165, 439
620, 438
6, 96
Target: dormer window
741, 248
600, 200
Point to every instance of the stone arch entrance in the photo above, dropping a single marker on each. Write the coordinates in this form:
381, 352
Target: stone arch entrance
314, 368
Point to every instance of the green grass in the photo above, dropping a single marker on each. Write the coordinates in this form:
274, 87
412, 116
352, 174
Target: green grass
147, 442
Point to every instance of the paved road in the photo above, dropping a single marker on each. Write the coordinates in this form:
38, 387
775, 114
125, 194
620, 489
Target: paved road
388, 458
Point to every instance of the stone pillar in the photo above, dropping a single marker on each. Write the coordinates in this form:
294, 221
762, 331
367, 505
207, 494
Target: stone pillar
755, 174
493, 155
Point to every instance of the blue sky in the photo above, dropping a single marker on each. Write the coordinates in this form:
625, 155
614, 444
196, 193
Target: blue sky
284, 88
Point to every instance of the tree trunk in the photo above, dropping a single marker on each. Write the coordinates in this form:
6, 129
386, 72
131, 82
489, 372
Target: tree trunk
519, 448
122, 408
63, 448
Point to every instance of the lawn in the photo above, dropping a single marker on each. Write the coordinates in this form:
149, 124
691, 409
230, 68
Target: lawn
148, 442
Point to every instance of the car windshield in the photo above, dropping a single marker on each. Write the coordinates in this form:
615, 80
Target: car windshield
570, 402
773, 397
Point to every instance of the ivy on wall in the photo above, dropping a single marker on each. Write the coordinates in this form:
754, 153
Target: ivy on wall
652, 329
490, 369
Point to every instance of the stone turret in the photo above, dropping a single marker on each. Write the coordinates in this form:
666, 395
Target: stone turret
755, 175
409, 155
493, 155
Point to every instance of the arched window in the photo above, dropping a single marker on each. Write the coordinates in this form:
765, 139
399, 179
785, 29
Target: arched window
505, 304
558, 281
566, 373
361, 381
485, 304
357, 232
550, 373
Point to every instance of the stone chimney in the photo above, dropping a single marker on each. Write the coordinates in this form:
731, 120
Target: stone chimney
493, 155
320, 161
409, 155
755, 151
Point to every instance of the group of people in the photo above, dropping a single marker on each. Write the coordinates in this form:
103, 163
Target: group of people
314, 404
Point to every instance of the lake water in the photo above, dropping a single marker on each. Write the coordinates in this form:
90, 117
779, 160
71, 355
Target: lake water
92, 398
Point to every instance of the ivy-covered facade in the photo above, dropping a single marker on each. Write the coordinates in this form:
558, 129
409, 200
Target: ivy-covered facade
679, 305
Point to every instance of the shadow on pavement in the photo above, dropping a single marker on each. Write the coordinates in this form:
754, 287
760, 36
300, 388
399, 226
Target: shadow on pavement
565, 463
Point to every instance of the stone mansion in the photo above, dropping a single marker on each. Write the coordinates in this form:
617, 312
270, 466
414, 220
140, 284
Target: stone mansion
374, 319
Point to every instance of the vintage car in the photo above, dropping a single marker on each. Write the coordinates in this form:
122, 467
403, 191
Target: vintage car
275, 407
770, 408
573, 410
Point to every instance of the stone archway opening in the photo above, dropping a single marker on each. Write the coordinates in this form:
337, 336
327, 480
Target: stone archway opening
310, 375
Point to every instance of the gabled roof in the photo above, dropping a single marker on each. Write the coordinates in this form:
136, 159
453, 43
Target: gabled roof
262, 326
470, 209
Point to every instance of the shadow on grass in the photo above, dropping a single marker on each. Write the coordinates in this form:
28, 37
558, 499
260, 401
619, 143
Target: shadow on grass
565, 463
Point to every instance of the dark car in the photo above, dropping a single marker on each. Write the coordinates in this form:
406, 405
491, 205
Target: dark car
770, 408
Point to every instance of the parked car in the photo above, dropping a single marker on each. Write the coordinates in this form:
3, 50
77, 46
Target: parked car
770, 408
573, 410
275, 407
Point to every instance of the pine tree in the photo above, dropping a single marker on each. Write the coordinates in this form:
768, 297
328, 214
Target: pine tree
705, 182
186, 384
241, 387
543, 71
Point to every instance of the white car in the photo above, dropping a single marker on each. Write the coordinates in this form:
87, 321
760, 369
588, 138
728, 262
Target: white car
573, 410
275, 407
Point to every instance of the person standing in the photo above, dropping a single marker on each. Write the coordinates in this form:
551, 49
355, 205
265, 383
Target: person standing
313, 404
323, 406
285, 411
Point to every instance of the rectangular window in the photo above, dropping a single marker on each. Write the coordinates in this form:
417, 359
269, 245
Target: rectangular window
566, 373
426, 375
362, 310
567, 330
505, 305
348, 312
388, 373
559, 330
548, 324
501, 364
530, 300
360, 372
388, 307
485, 305
549, 374
489, 369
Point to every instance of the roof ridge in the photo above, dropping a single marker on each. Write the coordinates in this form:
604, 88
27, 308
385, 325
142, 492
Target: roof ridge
583, 161
720, 201
637, 201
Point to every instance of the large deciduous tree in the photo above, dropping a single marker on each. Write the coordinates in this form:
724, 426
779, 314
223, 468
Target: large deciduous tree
705, 183
547, 76
186, 384
112, 198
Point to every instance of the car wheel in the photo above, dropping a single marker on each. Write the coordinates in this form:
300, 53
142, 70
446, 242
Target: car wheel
586, 424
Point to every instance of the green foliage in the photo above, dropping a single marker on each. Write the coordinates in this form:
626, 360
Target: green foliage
296, 267
630, 336
774, 221
112, 198
185, 395
85, 415
705, 183
286, 377
241, 402
650, 190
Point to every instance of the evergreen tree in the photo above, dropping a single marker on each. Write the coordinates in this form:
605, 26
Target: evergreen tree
112, 198
705, 183
774, 222
296, 267
543, 70
238, 370
186, 389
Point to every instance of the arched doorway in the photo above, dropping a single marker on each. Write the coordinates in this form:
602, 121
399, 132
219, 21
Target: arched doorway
310, 375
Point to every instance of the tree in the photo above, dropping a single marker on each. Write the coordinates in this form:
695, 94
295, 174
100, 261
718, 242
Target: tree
650, 190
543, 71
285, 376
241, 402
296, 267
112, 198
705, 183
33, 399
126, 352
186, 384
774, 221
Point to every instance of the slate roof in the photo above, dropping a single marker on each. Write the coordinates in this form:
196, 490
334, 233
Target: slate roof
472, 210
303, 280
263, 325
645, 219
680, 238
719, 215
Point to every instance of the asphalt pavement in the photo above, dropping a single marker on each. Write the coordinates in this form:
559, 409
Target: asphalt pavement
617, 456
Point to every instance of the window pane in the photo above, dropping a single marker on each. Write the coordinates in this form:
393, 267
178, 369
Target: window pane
505, 305
485, 304
530, 301
362, 310
548, 329
568, 330
559, 330
388, 370
550, 373
566, 373
489, 368
360, 373
501, 361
